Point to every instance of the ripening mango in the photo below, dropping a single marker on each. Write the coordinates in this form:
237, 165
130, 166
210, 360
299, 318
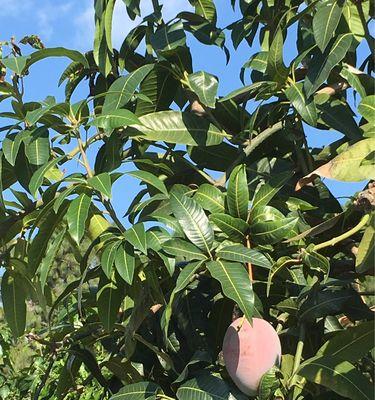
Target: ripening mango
249, 352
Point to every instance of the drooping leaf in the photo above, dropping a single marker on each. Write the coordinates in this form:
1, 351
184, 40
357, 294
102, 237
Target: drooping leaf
325, 21
337, 375
77, 214
367, 108
235, 283
136, 236
125, 262
177, 127
322, 64
238, 193
13, 295
205, 86
37, 178
305, 107
193, 220
205, 8
16, 64
240, 253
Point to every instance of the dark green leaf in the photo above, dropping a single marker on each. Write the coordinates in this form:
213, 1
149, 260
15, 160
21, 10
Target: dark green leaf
115, 119
306, 108
150, 179
136, 236
242, 254
125, 262
367, 108
275, 66
77, 215
138, 391
270, 232
234, 228
102, 183
238, 193
210, 198
205, 86
180, 248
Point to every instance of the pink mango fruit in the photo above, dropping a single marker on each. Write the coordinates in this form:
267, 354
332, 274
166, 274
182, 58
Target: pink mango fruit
249, 352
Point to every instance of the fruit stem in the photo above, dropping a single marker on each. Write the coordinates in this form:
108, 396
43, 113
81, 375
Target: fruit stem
300, 344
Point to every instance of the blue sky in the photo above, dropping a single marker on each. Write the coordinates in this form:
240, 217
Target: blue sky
69, 23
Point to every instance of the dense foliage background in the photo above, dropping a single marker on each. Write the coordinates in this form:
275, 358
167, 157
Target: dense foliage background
233, 216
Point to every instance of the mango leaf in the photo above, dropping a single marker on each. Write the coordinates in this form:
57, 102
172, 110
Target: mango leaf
275, 65
351, 344
181, 248
115, 119
265, 193
13, 297
177, 127
367, 108
102, 183
366, 250
183, 280
77, 214
325, 21
306, 108
108, 256
109, 299
138, 391
136, 236
205, 8
205, 86
235, 283
210, 198
123, 89
238, 193
269, 383
316, 261
74, 55
208, 387
256, 89
16, 64
11, 145
234, 228
337, 375
125, 262
323, 63
37, 178
270, 232
193, 220
168, 37
240, 253
347, 166
150, 179
37, 147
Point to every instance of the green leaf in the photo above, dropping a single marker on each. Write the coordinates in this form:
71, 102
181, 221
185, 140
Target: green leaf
238, 193
37, 147
366, 250
316, 261
325, 21
205, 8
181, 248
322, 64
270, 232
177, 127
234, 228
77, 214
150, 179
269, 383
125, 262
265, 193
123, 89
337, 375
102, 183
168, 37
136, 236
108, 256
74, 55
37, 178
50, 257
193, 220
277, 267
255, 89
351, 344
306, 108
183, 280
235, 283
275, 66
13, 297
109, 299
240, 253
367, 108
138, 391
11, 145
210, 198
205, 86
115, 119
208, 387
16, 64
